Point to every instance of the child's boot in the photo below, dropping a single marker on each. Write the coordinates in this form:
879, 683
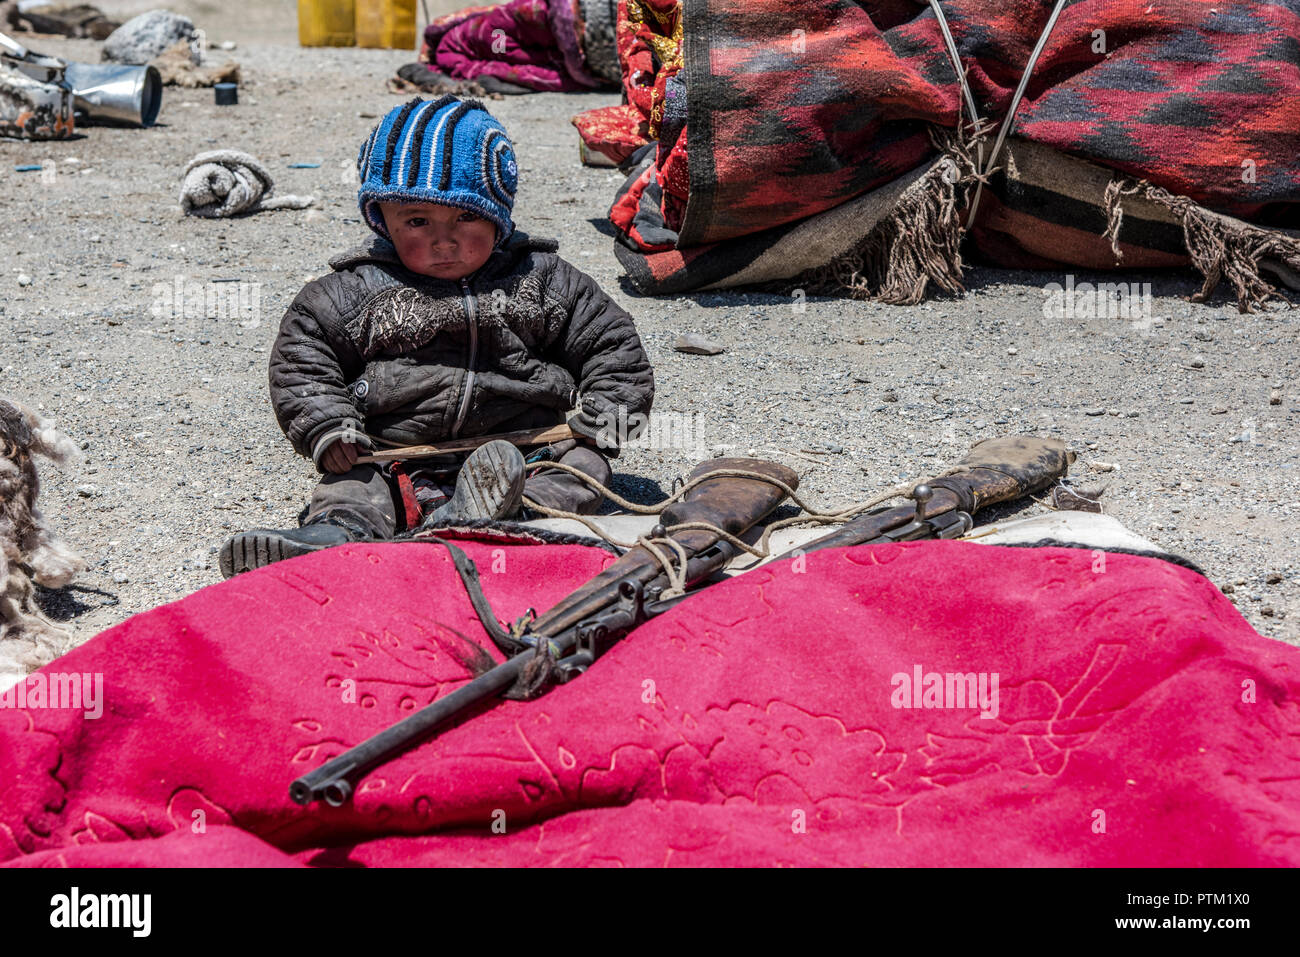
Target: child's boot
490, 486
263, 546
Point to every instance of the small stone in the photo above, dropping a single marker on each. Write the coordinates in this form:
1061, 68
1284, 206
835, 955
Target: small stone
1187, 401
1275, 397
1274, 578
120, 578
24, 279
1219, 410
228, 45
697, 345
87, 491
1227, 589
1094, 412
1267, 611
890, 396
1198, 362
981, 424
1102, 466
1012, 350
1132, 413
1112, 411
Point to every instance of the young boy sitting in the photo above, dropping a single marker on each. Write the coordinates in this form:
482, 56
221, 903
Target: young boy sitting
448, 325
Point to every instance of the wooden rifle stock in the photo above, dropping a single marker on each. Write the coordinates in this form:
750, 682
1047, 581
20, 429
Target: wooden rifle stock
995, 470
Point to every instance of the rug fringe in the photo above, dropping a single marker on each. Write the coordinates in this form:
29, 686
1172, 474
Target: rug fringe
919, 243
1221, 248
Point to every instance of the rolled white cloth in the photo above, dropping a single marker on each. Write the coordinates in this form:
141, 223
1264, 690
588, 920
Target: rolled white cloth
223, 183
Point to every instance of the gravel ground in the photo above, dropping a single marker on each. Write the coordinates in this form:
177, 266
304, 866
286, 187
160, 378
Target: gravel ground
183, 448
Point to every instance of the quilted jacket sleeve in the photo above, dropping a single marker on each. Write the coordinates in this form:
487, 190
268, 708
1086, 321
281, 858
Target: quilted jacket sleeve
311, 364
600, 347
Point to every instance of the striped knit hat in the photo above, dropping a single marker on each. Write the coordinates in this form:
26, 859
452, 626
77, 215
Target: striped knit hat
447, 151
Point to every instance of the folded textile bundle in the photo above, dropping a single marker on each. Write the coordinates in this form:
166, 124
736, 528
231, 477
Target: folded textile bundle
223, 183
790, 114
544, 45
649, 37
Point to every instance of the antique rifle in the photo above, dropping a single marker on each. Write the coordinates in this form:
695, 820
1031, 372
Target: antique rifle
576, 630
583, 625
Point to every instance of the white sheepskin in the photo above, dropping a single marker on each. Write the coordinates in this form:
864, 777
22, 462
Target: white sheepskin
30, 553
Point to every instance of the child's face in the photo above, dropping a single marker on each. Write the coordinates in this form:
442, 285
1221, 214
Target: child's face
444, 242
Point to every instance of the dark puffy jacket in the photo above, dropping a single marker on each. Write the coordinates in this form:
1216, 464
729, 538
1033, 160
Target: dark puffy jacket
411, 359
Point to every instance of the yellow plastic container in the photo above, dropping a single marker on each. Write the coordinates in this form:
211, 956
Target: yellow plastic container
386, 24
327, 23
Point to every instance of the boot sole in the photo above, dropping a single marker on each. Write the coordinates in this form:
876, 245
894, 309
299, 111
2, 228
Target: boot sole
257, 549
490, 485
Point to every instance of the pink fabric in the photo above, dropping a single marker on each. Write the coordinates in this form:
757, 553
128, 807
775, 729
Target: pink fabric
531, 43
754, 724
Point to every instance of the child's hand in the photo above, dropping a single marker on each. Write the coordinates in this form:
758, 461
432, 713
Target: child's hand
340, 457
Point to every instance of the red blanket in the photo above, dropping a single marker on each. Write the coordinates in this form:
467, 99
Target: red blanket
1138, 721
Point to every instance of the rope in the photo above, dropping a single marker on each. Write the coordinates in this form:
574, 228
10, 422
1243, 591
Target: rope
760, 550
1010, 121
222, 183
977, 123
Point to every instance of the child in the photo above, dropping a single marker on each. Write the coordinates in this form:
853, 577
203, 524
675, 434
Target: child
448, 325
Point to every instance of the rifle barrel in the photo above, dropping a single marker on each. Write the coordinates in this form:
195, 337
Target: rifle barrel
331, 781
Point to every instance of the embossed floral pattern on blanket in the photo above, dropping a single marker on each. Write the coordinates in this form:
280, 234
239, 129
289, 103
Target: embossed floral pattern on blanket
761, 722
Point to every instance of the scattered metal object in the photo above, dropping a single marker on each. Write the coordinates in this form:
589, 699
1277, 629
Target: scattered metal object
112, 93
39, 95
35, 101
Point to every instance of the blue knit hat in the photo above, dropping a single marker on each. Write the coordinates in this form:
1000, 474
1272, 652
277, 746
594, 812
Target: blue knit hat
447, 151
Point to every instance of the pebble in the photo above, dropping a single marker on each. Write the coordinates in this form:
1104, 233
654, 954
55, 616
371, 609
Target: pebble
87, 491
1218, 410
1275, 397
24, 279
1094, 412
890, 395
1198, 363
120, 578
1274, 578
1012, 350
1187, 401
697, 345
